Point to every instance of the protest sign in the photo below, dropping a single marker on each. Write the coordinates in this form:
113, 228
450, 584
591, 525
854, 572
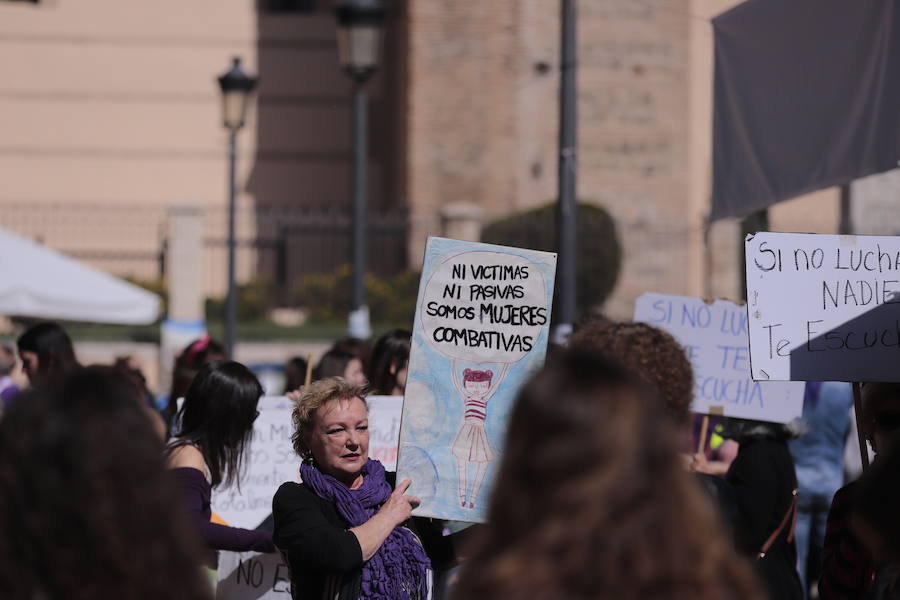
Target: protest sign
823, 307
715, 339
384, 429
481, 329
252, 576
270, 462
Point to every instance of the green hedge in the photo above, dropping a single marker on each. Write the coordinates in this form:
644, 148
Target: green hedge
599, 251
391, 300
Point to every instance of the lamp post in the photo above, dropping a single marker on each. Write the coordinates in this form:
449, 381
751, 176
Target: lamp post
236, 87
568, 162
359, 34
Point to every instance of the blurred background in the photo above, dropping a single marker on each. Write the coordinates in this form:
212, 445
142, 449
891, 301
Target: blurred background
112, 146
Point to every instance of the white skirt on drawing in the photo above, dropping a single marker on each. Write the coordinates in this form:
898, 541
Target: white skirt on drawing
471, 443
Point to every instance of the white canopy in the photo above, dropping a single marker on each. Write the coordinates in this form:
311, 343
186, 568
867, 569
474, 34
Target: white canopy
38, 282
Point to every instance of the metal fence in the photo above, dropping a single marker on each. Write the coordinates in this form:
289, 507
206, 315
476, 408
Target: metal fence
278, 244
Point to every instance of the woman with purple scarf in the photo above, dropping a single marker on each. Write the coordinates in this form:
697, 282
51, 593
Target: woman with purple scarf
342, 529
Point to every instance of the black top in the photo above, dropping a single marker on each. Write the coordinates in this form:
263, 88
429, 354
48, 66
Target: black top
196, 493
762, 477
323, 555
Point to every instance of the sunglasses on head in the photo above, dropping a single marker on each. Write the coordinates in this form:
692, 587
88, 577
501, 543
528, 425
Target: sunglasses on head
887, 422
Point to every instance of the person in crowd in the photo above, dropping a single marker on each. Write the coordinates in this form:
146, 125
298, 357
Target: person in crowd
343, 530
848, 567
187, 364
359, 348
339, 363
389, 363
87, 509
46, 352
657, 359
8, 388
130, 366
876, 523
294, 374
613, 515
818, 459
765, 489
136, 391
652, 354
215, 425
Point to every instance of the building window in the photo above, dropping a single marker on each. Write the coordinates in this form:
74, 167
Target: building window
287, 6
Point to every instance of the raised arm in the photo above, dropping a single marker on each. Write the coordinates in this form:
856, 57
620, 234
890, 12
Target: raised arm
392, 513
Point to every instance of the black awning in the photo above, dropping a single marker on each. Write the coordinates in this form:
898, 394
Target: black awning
807, 96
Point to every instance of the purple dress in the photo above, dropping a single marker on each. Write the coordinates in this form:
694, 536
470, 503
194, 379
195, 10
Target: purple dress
196, 492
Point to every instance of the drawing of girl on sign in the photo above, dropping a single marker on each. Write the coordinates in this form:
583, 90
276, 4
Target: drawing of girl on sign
471, 447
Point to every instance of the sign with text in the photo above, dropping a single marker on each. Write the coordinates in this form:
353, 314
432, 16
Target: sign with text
270, 462
384, 429
481, 329
823, 307
715, 338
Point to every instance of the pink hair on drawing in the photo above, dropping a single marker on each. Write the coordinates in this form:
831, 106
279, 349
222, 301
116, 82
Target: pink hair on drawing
477, 376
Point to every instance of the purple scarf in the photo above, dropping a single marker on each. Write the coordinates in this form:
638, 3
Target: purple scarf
398, 569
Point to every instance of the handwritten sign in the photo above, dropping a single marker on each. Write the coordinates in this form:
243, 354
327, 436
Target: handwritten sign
271, 462
251, 576
823, 307
384, 429
480, 330
716, 341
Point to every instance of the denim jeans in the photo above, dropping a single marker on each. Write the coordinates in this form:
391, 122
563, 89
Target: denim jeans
812, 512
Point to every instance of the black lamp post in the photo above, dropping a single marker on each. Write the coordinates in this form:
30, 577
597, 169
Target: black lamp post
567, 209
236, 87
359, 36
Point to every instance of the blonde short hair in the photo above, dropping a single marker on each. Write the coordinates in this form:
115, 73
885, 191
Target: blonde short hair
314, 396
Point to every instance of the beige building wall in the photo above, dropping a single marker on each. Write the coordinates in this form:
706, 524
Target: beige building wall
110, 113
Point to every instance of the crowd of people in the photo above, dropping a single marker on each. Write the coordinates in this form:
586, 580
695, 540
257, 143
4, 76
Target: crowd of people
600, 490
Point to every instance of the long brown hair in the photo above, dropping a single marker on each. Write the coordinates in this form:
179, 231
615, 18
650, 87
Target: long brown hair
591, 500
87, 508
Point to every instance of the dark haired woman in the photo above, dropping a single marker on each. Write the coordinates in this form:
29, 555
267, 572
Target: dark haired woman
46, 352
215, 427
187, 364
388, 366
584, 507
339, 363
765, 489
87, 509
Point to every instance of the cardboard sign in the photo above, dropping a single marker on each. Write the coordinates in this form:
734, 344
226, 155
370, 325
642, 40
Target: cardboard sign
823, 307
715, 339
480, 331
384, 429
271, 462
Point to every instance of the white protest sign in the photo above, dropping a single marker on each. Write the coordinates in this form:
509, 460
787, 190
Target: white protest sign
270, 462
252, 576
715, 339
480, 331
823, 307
384, 429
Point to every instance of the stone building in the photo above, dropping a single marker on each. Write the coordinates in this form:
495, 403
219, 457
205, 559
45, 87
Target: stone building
110, 116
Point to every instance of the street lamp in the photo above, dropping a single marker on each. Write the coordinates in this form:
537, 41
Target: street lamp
359, 35
567, 209
236, 87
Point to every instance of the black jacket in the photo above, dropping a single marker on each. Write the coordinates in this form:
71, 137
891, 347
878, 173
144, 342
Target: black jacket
763, 479
323, 555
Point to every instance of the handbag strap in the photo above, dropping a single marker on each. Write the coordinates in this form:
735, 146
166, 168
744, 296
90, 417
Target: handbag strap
790, 515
